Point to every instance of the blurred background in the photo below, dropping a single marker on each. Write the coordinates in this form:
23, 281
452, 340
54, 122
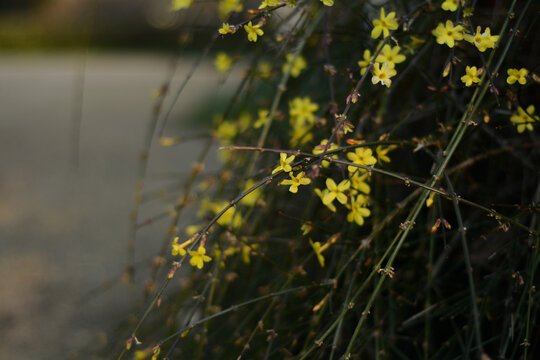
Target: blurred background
77, 87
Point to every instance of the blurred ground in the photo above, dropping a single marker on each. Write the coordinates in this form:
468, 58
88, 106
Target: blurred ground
64, 231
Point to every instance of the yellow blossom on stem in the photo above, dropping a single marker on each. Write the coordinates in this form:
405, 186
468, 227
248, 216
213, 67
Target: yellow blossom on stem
297, 67
358, 183
321, 195
448, 33
319, 249
391, 56
450, 5
269, 3
300, 133
264, 70
246, 252
328, 2
226, 131
155, 352
284, 163
179, 249
361, 156
192, 229
306, 228
336, 191
430, 199
226, 7
223, 62
382, 153
226, 29
253, 31
471, 75
226, 218
382, 74
384, 24
318, 252
414, 44
319, 149
142, 354
302, 110
517, 75
524, 119
296, 181
180, 4
244, 121
199, 257
482, 40
251, 198
358, 211
262, 117
363, 64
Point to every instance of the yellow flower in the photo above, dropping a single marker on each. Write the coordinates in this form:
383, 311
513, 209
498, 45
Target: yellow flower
223, 62
142, 354
365, 63
382, 153
226, 131
264, 70
471, 75
226, 218
246, 252
306, 228
328, 2
382, 74
361, 156
244, 121
179, 249
252, 197
168, 141
301, 110
262, 118
198, 258
358, 211
192, 229
317, 249
414, 44
450, 5
226, 29
180, 4
321, 195
319, 149
384, 24
517, 75
336, 191
430, 199
296, 181
391, 56
269, 3
482, 40
524, 119
253, 31
299, 65
284, 163
300, 134
358, 182
155, 352
448, 33
225, 7
468, 12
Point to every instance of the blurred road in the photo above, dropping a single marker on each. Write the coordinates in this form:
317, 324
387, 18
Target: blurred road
63, 231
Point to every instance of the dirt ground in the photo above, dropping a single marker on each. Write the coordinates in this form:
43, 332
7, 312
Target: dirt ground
64, 230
